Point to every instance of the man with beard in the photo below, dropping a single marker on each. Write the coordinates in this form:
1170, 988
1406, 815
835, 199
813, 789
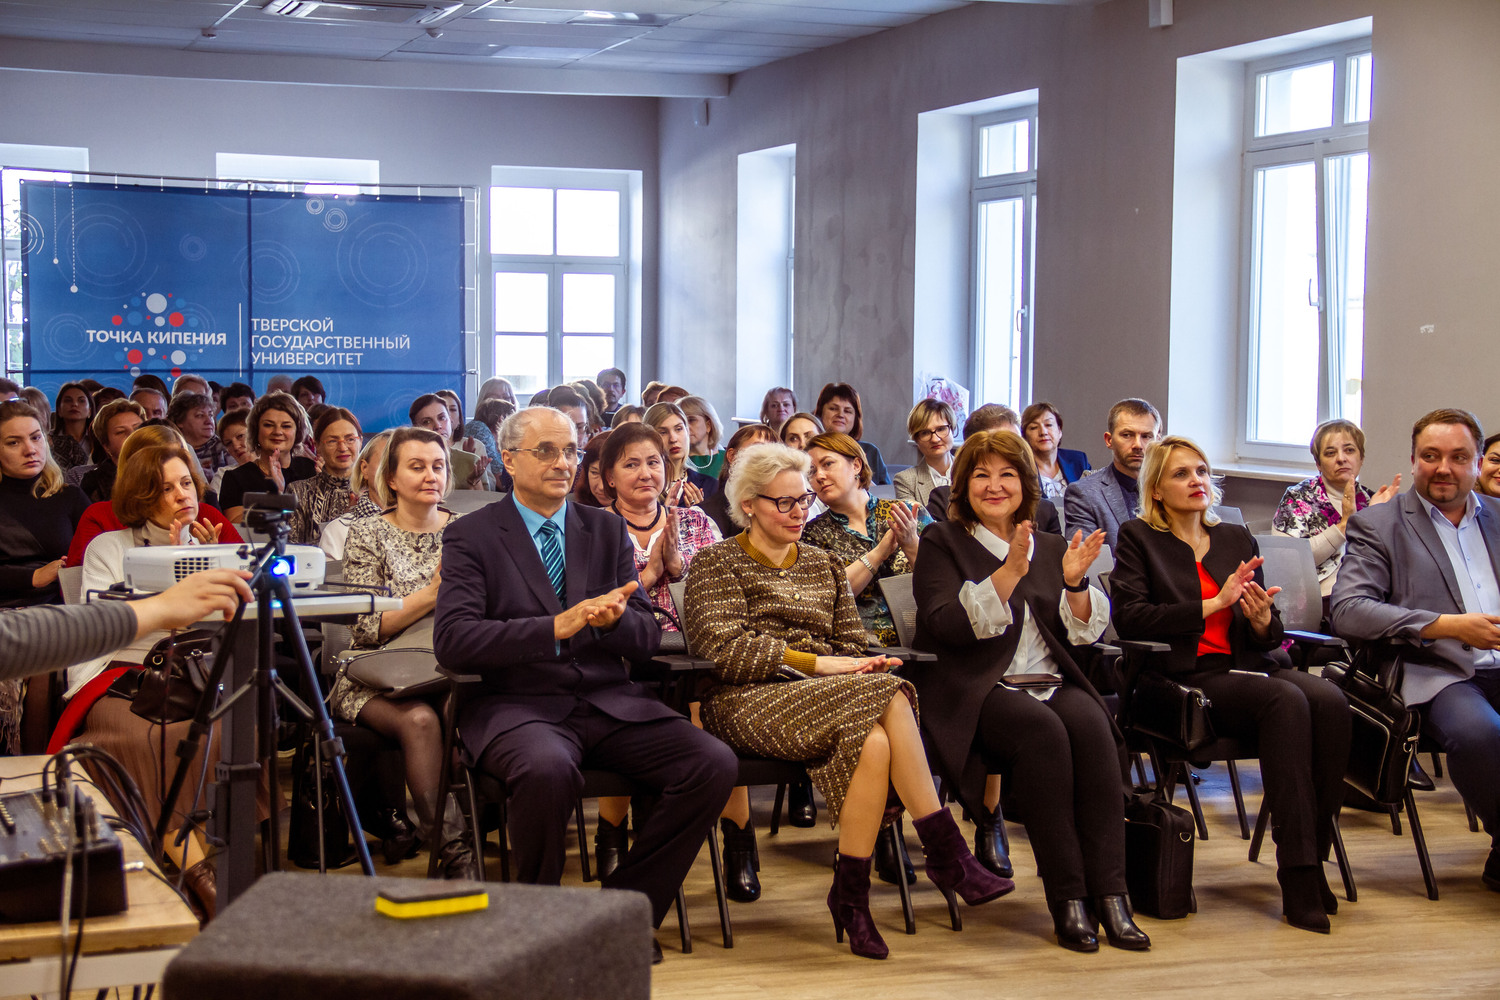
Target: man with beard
1109, 497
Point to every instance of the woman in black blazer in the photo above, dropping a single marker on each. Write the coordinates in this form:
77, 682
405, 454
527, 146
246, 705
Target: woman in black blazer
1187, 579
1002, 606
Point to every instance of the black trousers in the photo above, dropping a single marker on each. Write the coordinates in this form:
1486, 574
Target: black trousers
691, 773
1301, 725
1060, 762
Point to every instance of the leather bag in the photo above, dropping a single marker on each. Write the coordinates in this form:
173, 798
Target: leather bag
1384, 732
1159, 857
396, 673
171, 682
1166, 710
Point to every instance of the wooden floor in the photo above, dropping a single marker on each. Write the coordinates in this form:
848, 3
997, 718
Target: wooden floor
1393, 941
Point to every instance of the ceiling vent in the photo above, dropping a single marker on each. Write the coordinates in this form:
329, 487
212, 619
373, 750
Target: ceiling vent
362, 11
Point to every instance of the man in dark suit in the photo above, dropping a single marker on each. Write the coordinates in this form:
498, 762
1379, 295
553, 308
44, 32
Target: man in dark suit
1423, 574
1109, 497
540, 598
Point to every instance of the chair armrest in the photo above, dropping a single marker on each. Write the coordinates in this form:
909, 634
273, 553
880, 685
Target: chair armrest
457, 677
1142, 646
1316, 640
903, 653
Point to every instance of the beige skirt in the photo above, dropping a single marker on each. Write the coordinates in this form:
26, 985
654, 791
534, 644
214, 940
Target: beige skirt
138, 745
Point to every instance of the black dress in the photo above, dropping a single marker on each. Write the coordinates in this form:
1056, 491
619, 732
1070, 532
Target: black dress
248, 478
34, 532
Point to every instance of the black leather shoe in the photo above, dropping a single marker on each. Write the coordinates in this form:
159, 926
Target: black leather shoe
740, 881
1491, 876
1075, 928
801, 810
456, 861
656, 955
1418, 778
1119, 926
610, 844
989, 849
1301, 902
891, 858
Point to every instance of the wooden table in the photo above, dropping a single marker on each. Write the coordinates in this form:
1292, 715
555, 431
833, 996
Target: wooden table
123, 949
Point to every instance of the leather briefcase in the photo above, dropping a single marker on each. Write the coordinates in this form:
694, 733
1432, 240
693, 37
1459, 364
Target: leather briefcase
1159, 857
1383, 731
1162, 708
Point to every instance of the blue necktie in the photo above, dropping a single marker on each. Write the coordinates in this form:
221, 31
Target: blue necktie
552, 558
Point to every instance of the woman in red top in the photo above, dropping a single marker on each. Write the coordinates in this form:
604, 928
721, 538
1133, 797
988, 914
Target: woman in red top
1185, 578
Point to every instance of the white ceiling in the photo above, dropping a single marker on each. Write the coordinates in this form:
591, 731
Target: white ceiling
656, 36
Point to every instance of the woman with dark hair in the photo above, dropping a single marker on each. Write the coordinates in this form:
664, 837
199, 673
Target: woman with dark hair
327, 495
1319, 508
1186, 578
839, 409
113, 425
192, 413
590, 489
798, 429
686, 487
1488, 482
277, 427
716, 506
401, 550
497, 388
1041, 425
470, 469
489, 414
1004, 606
777, 407
628, 415
72, 442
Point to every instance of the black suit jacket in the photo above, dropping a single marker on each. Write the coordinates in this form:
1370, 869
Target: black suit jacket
1046, 511
951, 691
494, 618
1156, 595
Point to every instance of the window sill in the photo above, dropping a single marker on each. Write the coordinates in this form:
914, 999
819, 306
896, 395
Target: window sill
1272, 473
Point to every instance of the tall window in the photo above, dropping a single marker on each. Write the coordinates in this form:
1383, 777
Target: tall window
1306, 185
63, 160
560, 247
1004, 240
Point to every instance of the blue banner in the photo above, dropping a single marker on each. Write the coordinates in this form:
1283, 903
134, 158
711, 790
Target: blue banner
365, 292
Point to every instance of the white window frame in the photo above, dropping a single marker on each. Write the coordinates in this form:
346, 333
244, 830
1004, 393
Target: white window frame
624, 265
1002, 187
1314, 146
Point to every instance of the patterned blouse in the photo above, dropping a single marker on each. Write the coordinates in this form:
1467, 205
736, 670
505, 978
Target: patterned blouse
1306, 511
319, 500
830, 530
695, 530
67, 452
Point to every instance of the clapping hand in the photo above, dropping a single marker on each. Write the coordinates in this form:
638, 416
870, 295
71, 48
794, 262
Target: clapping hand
1387, 491
1017, 563
601, 612
1080, 556
1256, 603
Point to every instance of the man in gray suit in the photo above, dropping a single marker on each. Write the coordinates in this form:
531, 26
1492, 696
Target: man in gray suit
1109, 497
1423, 573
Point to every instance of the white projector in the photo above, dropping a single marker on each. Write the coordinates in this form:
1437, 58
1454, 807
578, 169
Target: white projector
153, 568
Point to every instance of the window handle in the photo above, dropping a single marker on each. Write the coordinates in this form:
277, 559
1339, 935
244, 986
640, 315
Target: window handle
1312, 294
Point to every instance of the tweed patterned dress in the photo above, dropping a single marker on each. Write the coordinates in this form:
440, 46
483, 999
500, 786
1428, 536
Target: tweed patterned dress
746, 615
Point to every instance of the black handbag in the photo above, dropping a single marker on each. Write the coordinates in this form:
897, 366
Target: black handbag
171, 682
1383, 731
302, 833
1159, 857
395, 672
1162, 708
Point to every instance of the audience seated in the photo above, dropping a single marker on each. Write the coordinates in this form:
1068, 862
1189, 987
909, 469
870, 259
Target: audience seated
236, 396
39, 513
114, 422
234, 431
1419, 575
489, 414
497, 388
930, 425
686, 487
590, 489
38, 400
628, 415
309, 391
1007, 697
1319, 508
188, 382
72, 441
716, 506
777, 407
107, 394
555, 697
761, 602
327, 494
994, 417
470, 467
870, 538
798, 429
402, 550
594, 397
650, 392
277, 428
1104, 500
1489, 468
1041, 425
670, 394
1184, 577
704, 434
611, 382
192, 413
576, 408
153, 401
361, 486
839, 410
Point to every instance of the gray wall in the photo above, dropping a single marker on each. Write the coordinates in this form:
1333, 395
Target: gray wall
174, 127
1107, 87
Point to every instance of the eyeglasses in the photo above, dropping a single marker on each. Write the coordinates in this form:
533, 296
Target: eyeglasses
785, 504
548, 453
923, 435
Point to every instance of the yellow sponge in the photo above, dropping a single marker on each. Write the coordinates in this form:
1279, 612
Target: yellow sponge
426, 899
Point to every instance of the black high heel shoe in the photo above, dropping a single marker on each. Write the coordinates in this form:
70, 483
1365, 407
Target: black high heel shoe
1074, 925
740, 881
610, 844
891, 859
801, 810
1301, 903
989, 848
1119, 927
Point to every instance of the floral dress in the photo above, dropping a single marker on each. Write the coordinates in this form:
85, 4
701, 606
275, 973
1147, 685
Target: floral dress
1306, 511
379, 554
695, 530
830, 530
